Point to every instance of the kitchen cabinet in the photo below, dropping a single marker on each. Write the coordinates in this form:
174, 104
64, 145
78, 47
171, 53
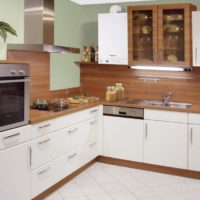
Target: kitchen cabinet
165, 138
196, 38
113, 38
15, 166
123, 138
160, 35
194, 142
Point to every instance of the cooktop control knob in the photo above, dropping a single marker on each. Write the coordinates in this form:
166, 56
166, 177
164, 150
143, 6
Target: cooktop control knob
22, 72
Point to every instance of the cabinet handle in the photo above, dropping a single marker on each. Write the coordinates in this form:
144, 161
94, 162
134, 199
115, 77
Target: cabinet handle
72, 131
45, 141
72, 156
93, 111
30, 157
11, 136
44, 126
196, 54
93, 144
43, 171
191, 136
146, 131
112, 55
93, 122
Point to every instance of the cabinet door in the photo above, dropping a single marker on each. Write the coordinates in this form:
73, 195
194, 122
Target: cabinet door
113, 38
142, 35
123, 138
174, 31
15, 178
194, 148
196, 38
165, 143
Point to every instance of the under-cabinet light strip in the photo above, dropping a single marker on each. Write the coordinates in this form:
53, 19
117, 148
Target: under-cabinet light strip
159, 68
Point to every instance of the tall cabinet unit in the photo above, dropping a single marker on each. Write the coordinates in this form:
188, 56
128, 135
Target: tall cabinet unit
196, 38
113, 38
160, 35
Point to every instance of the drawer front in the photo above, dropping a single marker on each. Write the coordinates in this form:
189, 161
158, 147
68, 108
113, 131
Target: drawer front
66, 121
41, 151
15, 136
42, 128
42, 179
68, 163
194, 118
169, 116
69, 138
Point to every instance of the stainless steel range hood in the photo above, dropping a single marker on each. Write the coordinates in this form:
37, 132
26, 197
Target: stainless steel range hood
39, 28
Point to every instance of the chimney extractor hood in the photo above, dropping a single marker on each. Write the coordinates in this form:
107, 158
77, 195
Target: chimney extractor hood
39, 28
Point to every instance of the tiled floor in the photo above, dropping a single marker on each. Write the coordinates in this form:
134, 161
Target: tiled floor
108, 182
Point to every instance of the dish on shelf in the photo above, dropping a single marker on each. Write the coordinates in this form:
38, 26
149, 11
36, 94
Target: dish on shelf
173, 17
172, 28
172, 58
141, 17
146, 29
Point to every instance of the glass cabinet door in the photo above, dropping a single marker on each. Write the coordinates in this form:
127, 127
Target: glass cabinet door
142, 37
173, 36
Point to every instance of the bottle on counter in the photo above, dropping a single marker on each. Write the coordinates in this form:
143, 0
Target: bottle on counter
119, 91
97, 55
111, 93
92, 54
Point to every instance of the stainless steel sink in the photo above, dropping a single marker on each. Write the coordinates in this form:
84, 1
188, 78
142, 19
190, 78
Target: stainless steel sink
160, 103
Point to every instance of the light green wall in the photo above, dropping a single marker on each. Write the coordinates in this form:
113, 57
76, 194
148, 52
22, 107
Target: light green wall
12, 12
89, 30
64, 73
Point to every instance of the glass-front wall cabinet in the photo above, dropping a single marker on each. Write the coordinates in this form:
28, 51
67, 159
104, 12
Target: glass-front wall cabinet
160, 35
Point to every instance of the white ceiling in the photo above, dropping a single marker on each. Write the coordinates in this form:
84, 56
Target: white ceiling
86, 2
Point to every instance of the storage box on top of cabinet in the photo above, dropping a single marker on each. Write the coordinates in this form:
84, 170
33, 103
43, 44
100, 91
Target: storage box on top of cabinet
113, 38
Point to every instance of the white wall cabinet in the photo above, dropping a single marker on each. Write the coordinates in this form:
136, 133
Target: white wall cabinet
165, 143
196, 38
15, 179
123, 138
113, 38
194, 142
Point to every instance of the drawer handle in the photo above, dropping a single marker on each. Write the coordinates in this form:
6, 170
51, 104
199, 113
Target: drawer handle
11, 136
93, 111
43, 171
191, 136
43, 142
72, 131
93, 122
146, 131
44, 126
93, 144
72, 156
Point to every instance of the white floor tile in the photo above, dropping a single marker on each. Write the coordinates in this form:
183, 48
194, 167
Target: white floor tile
113, 187
76, 198
54, 196
182, 187
70, 191
192, 195
144, 193
173, 197
122, 195
100, 197
163, 190
92, 189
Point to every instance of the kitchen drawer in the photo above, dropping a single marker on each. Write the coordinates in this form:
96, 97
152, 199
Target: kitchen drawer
41, 151
68, 163
194, 118
65, 121
15, 136
42, 128
42, 178
163, 115
69, 138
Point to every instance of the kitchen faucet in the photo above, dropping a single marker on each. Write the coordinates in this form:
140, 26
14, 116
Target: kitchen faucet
166, 97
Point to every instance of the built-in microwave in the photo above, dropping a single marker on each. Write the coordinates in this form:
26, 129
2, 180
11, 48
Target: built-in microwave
14, 95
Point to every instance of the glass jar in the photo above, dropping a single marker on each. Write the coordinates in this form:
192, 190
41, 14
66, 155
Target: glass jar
119, 91
111, 93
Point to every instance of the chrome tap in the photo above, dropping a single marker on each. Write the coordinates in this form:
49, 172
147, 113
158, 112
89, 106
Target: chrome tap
166, 97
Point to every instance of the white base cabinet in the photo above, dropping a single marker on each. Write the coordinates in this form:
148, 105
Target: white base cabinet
15, 179
123, 138
165, 143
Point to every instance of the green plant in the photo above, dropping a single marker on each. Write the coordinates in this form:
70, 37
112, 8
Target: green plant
6, 28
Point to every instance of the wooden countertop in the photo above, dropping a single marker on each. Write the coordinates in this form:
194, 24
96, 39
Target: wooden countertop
37, 116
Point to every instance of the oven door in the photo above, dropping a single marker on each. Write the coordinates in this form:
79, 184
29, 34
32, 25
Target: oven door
14, 103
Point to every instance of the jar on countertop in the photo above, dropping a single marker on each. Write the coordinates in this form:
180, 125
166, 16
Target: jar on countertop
119, 91
111, 93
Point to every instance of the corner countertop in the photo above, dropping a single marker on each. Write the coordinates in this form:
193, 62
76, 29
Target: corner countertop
37, 116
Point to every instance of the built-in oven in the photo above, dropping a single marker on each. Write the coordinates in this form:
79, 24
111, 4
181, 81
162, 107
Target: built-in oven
14, 95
